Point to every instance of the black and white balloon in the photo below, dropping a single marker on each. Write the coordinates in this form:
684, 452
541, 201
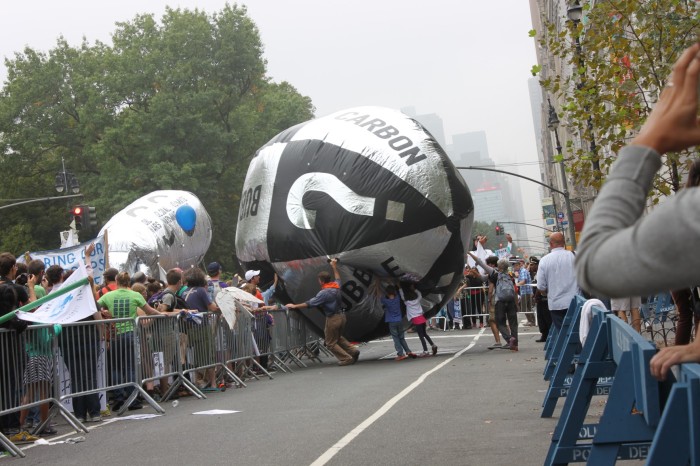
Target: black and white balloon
368, 185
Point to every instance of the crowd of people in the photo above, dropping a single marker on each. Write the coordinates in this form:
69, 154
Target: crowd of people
619, 249
27, 374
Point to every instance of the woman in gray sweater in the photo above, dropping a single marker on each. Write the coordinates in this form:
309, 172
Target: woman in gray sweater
624, 254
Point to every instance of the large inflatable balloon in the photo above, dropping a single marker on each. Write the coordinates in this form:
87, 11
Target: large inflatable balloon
370, 186
163, 229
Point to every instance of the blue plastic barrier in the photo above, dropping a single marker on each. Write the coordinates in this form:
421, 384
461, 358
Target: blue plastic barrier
677, 439
633, 410
565, 350
562, 338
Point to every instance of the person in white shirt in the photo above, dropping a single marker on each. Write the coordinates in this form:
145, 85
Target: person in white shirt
556, 276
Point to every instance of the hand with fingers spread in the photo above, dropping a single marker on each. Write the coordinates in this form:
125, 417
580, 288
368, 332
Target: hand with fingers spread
673, 124
621, 240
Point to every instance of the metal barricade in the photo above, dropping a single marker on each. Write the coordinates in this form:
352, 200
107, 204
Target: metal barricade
83, 369
305, 342
526, 305
241, 349
124, 361
200, 351
659, 317
279, 335
29, 378
12, 358
163, 355
225, 348
121, 355
475, 311
297, 342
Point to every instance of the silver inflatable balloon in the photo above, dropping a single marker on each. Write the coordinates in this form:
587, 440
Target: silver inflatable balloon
368, 185
162, 229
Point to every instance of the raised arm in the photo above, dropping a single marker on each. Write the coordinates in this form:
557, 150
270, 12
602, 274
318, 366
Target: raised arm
623, 253
488, 269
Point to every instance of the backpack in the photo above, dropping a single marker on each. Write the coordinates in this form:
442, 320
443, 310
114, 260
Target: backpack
505, 290
157, 299
213, 288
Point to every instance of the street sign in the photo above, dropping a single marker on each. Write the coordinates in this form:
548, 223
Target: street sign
564, 223
560, 215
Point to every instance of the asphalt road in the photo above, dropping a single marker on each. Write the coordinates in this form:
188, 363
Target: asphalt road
466, 406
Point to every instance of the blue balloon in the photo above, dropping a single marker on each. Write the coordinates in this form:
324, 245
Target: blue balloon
186, 217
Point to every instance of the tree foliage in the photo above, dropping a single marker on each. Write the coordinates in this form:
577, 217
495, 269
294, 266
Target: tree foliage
625, 52
180, 103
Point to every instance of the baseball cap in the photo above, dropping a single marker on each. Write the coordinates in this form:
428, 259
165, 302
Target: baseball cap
213, 267
250, 274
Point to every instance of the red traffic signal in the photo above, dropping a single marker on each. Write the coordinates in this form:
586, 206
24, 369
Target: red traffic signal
77, 213
498, 230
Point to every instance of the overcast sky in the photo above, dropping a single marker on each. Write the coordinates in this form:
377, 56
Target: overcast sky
466, 60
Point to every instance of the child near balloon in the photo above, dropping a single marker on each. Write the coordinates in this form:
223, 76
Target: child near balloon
414, 312
392, 316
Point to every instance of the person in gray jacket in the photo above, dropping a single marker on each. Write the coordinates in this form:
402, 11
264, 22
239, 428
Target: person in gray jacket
624, 254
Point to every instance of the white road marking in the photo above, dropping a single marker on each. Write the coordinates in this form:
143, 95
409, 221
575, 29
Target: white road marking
332, 451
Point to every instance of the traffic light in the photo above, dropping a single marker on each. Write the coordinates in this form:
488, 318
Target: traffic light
499, 230
92, 216
77, 212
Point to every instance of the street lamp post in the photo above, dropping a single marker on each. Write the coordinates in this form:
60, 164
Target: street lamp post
553, 125
66, 180
575, 15
564, 193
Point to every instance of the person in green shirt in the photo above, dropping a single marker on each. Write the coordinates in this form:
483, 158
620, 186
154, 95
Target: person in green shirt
124, 303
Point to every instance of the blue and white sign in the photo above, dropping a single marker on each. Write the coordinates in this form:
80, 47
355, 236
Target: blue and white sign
69, 258
560, 215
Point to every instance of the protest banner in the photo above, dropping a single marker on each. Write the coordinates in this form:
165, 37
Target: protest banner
69, 258
68, 306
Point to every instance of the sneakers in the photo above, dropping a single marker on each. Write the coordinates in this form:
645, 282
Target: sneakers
95, 418
23, 437
496, 345
400, 357
434, 348
48, 430
412, 355
425, 353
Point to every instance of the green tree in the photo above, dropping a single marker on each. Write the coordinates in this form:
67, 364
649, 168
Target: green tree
621, 55
180, 103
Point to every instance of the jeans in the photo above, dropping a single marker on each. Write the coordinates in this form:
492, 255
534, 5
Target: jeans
80, 347
121, 362
558, 317
507, 310
397, 334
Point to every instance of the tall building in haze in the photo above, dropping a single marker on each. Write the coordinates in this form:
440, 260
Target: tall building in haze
497, 197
